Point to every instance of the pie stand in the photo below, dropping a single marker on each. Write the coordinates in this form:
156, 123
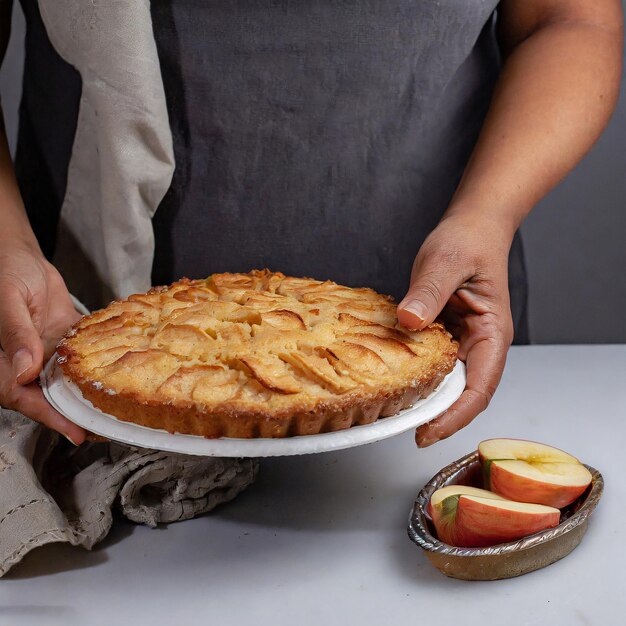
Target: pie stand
66, 398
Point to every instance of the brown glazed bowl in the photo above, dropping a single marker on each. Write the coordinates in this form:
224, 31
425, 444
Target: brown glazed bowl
504, 560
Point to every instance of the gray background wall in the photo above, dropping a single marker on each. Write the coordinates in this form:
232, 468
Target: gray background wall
575, 238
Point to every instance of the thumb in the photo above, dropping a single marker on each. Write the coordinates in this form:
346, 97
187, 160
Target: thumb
432, 285
18, 336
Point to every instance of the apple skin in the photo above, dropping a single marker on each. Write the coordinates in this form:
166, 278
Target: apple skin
477, 520
527, 471
515, 486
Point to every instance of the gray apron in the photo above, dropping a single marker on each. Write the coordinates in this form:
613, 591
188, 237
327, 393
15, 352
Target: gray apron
319, 138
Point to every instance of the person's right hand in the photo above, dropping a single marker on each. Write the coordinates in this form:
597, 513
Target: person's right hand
35, 311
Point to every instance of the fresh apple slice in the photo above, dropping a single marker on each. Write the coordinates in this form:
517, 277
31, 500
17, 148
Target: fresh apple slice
527, 471
531, 451
473, 518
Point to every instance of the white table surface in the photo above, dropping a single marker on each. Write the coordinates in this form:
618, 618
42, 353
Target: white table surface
322, 539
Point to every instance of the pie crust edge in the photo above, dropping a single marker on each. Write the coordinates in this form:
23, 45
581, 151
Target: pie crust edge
326, 417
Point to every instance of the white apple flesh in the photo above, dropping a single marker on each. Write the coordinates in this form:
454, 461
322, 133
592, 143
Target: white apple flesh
527, 471
470, 517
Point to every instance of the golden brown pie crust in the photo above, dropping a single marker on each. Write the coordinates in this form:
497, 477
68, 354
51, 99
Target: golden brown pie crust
253, 355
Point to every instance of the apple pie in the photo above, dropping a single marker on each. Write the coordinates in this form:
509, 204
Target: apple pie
253, 355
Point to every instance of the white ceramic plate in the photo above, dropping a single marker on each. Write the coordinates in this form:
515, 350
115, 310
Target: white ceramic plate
66, 398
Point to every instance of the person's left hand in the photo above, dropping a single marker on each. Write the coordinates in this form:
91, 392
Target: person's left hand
461, 272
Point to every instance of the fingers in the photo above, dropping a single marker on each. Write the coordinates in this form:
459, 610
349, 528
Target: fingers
432, 285
59, 324
18, 336
485, 363
30, 401
459, 415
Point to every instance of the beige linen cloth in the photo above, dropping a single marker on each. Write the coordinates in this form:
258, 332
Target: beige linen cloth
51, 491
121, 166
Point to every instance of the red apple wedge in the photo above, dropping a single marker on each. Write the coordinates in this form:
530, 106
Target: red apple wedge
473, 518
527, 471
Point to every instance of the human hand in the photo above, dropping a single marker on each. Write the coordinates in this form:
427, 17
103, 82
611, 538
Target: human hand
35, 311
461, 272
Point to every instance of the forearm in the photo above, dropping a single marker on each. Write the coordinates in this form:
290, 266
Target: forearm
14, 224
556, 92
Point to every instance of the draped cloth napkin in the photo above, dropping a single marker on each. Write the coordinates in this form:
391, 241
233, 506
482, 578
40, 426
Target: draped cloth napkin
51, 491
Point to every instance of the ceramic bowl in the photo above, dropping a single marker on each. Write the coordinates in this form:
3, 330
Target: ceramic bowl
507, 559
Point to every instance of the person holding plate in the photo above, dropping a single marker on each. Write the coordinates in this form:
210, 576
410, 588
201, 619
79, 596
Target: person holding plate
333, 139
